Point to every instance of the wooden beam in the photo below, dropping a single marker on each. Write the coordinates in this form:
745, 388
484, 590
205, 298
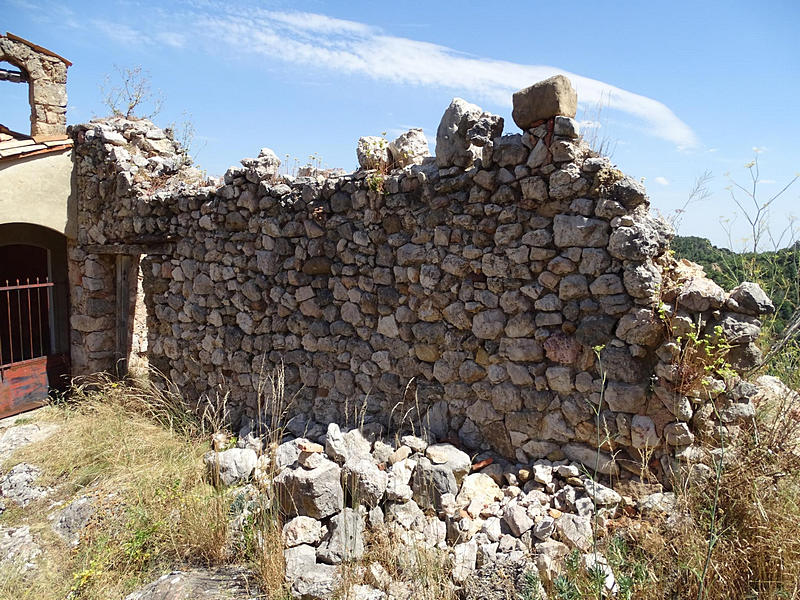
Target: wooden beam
16, 38
124, 262
133, 249
13, 76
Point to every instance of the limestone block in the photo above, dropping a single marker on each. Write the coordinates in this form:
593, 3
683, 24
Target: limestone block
551, 97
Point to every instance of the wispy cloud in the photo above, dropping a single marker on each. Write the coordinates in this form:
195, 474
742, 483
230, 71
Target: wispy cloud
170, 38
129, 36
349, 47
119, 32
305, 22
47, 12
661, 180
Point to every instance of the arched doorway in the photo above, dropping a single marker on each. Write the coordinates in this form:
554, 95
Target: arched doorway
34, 332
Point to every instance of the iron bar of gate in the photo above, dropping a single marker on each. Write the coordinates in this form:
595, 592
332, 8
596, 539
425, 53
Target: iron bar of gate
30, 320
39, 312
19, 319
37, 327
47, 312
10, 335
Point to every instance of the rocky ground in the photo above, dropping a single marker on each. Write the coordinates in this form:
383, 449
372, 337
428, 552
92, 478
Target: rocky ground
344, 489
358, 517
343, 492
17, 487
20, 549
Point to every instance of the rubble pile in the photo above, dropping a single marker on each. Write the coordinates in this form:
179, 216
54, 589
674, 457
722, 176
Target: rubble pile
341, 493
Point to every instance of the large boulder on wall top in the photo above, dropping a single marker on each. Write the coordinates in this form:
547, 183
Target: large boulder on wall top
410, 148
750, 299
373, 152
552, 97
265, 165
464, 128
452, 147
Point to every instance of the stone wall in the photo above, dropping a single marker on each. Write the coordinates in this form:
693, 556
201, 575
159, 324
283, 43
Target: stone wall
488, 294
116, 179
46, 74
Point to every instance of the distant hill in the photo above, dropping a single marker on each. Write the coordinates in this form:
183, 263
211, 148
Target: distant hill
776, 272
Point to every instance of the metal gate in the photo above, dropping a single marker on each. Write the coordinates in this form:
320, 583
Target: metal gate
29, 364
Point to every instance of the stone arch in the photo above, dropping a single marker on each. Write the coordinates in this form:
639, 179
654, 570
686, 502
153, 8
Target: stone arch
46, 75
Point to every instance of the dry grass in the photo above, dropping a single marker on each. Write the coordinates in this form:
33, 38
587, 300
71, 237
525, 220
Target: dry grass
155, 509
426, 571
735, 538
264, 548
756, 552
755, 537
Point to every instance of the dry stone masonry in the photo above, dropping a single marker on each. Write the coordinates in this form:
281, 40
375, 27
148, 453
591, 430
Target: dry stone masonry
46, 75
511, 294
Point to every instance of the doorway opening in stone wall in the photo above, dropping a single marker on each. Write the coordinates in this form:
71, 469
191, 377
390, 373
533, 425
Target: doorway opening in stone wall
16, 98
34, 333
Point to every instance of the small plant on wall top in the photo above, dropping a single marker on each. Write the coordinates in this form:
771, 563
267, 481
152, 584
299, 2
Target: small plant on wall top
128, 92
377, 178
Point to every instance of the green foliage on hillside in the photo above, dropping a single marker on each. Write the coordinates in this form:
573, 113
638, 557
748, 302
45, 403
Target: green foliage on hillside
776, 271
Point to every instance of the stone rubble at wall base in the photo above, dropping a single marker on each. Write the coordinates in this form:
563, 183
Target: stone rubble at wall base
343, 493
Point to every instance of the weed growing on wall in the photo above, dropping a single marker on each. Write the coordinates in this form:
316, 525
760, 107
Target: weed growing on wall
702, 357
377, 178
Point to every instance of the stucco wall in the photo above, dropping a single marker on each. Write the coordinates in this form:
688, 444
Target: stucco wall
38, 190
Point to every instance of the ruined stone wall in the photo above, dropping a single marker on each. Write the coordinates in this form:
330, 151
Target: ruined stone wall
487, 293
46, 74
116, 178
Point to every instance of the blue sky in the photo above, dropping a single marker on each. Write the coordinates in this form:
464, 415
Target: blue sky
686, 86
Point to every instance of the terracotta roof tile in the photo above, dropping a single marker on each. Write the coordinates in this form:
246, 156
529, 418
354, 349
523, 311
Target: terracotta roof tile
18, 145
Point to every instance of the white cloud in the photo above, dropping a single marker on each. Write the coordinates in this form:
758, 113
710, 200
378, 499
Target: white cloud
170, 38
123, 34
319, 23
661, 180
129, 36
349, 47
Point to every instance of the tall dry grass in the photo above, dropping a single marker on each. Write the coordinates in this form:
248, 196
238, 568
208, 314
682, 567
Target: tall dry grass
140, 459
738, 534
